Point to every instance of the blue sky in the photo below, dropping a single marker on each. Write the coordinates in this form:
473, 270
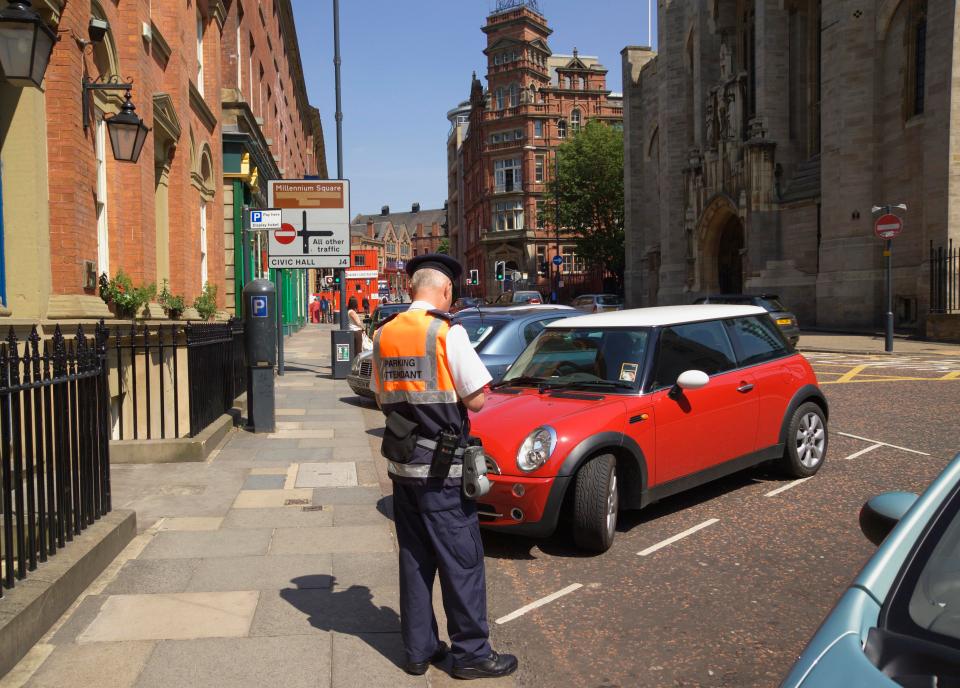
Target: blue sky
407, 62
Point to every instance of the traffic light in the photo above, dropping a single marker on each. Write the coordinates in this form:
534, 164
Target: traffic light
336, 279
544, 268
500, 269
474, 277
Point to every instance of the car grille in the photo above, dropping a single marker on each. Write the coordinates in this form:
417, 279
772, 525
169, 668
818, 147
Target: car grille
486, 512
366, 369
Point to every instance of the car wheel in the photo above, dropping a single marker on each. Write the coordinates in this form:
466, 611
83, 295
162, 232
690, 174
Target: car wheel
595, 504
806, 441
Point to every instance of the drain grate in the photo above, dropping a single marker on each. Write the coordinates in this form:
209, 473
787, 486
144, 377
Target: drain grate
318, 507
296, 502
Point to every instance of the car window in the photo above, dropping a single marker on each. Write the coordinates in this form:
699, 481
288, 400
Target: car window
608, 300
758, 339
505, 297
478, 329
697, 346
531, 330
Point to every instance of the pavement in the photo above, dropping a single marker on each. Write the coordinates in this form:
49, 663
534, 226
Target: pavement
272, 563
834, 342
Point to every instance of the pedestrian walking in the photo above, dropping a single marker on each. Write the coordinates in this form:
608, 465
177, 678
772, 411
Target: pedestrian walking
426, 375
324, 308
314, 309
366, 305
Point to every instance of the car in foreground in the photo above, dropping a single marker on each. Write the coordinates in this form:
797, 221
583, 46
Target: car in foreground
598, 303
786, 321
498, 335
898, 624
517, 297
618, 410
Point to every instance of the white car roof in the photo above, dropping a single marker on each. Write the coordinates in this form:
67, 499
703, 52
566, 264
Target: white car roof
661, 315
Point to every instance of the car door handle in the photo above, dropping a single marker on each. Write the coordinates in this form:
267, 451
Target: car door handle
744, 388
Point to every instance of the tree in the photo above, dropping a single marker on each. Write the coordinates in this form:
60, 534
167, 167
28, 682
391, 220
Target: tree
443, 246
589, 189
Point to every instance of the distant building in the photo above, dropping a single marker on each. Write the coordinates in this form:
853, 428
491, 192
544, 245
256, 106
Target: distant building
533, 101
459, 118
761, 135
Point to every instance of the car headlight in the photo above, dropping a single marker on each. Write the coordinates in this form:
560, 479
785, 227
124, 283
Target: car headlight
537, 448
355, 365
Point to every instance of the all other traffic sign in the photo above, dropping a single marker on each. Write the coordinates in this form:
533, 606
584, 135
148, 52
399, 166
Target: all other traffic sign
888, 226
316, 223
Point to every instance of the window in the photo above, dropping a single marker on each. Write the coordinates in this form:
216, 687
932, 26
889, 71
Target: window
531, 331
541, 256
583, 84
514, 95
572, 263
508, 216
495, 138
575, 121
566, 82
698, 346
518, 134
405, 250
758, 340
562, 129
506, 175
500, 98
919, 63
253, 48
203, 243
360, 259
536, 215
496, 59
538, 169
538, 129
103, 233
239, 60
199, 53
391, 248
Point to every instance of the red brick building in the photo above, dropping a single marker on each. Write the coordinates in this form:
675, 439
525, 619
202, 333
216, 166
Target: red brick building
534, 100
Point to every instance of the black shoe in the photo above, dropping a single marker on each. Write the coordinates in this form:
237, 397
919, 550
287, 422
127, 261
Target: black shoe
493, 666
420, 668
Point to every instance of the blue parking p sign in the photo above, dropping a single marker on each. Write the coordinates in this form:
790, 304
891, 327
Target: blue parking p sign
258, 304
256, 216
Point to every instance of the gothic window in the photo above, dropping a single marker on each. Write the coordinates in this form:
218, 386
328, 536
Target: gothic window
566, 82
562, 129
748, 59
575, 121
514, 95
916, 58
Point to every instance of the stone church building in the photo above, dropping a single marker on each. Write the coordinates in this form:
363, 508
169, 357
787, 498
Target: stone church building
761, 134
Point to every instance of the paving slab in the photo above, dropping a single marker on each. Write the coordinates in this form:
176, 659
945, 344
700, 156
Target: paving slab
327, 540
268, 455
78, 620
357, 515
291, 662
315, 434
357, 609
327, 474
346, 495
282, 517
82, 666
217, 543
273, 470
174, 616
265, 482
340, 442
290, 411
263, 573
380, 654
153, 576
264, 499
374, 570
191, 523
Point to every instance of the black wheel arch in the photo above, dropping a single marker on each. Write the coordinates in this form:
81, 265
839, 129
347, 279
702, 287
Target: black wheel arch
631, 463
802, 396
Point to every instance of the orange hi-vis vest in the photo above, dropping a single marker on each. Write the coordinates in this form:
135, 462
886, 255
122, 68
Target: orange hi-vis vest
413, 376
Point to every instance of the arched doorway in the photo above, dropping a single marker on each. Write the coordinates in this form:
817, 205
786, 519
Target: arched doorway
730, 257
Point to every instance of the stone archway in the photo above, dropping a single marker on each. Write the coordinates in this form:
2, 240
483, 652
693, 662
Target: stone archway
720, 247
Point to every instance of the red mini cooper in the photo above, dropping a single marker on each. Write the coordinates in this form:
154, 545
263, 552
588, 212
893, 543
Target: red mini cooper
618, 410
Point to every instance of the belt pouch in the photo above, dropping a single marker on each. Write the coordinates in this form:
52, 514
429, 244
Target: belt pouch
399, 438
447, 445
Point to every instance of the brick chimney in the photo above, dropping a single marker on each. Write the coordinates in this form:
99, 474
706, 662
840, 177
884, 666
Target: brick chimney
385, 210
415, 208
371, 232
436, 229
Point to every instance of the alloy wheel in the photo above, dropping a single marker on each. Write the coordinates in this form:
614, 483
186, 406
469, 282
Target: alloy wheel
612, 502
811, 440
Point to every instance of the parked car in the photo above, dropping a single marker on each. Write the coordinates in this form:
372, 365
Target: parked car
466, 302
517, 297
383, 312
623, 409
598, 303
898, 624
498, 336
786, 321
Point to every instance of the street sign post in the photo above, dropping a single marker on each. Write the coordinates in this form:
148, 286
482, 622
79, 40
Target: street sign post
266, 219
315, 227
886, 227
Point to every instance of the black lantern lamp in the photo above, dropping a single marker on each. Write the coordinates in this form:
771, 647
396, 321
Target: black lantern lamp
127, 132
26, 43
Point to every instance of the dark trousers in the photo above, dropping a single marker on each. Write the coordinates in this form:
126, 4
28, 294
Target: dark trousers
438, 531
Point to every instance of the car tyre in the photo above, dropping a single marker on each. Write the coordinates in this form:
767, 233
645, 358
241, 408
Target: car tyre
806, 441
596, 501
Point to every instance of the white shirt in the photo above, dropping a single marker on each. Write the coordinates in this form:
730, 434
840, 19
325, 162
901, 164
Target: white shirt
468, 372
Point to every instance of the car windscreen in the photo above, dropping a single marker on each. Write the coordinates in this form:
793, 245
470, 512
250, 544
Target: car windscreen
582, 357
609, 300
479, 329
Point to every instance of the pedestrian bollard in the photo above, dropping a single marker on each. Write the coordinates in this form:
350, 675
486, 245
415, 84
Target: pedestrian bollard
260, 302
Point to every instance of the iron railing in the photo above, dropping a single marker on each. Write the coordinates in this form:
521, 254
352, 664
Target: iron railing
54, 444
944, 279
159, 367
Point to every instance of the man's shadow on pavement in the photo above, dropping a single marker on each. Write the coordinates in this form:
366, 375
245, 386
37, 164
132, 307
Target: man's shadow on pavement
350, 611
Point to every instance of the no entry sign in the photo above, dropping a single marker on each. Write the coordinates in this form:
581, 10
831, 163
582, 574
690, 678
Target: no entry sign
888, 226
286, 234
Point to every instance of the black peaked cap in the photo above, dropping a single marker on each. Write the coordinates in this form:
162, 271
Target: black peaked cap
436, 261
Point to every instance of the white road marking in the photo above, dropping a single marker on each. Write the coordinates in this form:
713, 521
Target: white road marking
679, 536
863, 451
885, 444
539, 603
784, 488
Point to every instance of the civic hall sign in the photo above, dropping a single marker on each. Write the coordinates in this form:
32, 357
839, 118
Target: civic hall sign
315, 223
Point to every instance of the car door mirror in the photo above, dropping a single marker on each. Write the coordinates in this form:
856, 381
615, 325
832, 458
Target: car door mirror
879, 515
689, 379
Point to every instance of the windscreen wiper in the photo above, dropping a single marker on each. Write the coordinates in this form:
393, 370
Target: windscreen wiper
540, 383
610, 384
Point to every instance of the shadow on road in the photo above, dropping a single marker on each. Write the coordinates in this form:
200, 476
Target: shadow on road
350, 611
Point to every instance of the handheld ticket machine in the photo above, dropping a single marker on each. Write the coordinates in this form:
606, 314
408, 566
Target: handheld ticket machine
260, 332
